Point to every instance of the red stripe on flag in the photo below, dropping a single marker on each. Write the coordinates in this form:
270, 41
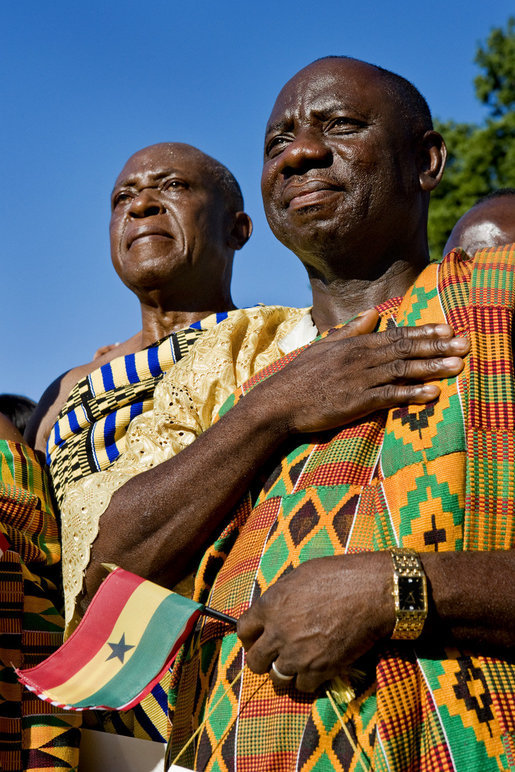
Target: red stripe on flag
158, 645
4, 544
73, 655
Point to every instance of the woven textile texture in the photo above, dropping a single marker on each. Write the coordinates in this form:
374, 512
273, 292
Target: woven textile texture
89, 433
34, 736
437, 477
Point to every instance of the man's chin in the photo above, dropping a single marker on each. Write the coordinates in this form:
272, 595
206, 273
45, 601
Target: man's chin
151, 274
307, 229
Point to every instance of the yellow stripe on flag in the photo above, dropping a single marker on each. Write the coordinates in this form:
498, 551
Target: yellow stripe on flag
132, 622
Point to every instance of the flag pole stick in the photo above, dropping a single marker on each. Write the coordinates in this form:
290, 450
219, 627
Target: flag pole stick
211, 612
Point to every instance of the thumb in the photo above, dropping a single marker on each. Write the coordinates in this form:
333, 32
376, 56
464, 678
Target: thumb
363, 324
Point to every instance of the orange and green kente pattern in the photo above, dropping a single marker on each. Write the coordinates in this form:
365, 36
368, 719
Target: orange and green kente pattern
34, 735
437, 477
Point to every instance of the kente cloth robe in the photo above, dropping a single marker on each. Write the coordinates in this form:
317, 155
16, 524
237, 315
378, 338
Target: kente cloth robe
34, 736
436, 477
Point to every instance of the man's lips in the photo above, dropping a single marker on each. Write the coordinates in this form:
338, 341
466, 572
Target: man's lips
146, 232
307, 193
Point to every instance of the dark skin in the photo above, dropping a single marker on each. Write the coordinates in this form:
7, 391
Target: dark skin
326, 200
173, 235
8, 430
363, 372
489, 224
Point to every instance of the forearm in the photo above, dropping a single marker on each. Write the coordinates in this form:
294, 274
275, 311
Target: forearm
472, 598
158, 521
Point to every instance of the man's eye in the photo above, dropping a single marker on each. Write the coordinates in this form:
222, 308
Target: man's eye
343, 124
121, 198
174, 184
275, 145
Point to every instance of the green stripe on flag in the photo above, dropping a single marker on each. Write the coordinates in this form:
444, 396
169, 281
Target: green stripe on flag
156, 643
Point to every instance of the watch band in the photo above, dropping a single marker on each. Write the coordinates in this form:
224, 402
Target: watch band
409, 592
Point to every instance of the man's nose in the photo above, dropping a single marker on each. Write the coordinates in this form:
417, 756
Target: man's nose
146, 204
308, 150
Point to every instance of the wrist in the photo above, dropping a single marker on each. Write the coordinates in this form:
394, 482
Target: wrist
409, 594
386, 618
268, 410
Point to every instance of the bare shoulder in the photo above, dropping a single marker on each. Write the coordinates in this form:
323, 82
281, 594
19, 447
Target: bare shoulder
55, 396
8, 430
47, 410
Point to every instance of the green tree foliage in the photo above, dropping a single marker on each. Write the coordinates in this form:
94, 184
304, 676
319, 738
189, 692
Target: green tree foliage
481, 157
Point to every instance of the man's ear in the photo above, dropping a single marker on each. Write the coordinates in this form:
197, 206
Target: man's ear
241, 230
432, 158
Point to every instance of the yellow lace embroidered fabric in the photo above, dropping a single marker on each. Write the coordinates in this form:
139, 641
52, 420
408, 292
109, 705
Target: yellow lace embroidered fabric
185, 404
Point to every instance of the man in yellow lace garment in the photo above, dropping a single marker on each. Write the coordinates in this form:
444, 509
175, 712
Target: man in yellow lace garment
176, 220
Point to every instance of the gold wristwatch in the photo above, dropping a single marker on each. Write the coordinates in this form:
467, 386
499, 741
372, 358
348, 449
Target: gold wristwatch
409, 592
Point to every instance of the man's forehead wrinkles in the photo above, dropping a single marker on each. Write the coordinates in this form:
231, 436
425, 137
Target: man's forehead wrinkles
145, 174
331, 103
278, 125
322, 93
124, 182
319, 107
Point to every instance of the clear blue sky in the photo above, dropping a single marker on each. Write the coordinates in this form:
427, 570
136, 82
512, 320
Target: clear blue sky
84, 85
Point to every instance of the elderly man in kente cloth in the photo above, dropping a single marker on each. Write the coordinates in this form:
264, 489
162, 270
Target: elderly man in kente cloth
176, 220
374, 544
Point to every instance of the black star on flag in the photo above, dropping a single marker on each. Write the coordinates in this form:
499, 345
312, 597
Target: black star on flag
119, 649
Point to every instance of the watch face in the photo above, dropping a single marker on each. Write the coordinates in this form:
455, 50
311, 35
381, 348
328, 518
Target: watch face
411, 593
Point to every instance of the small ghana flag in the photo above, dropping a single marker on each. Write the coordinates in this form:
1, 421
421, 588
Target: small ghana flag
128, 637
4, 543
